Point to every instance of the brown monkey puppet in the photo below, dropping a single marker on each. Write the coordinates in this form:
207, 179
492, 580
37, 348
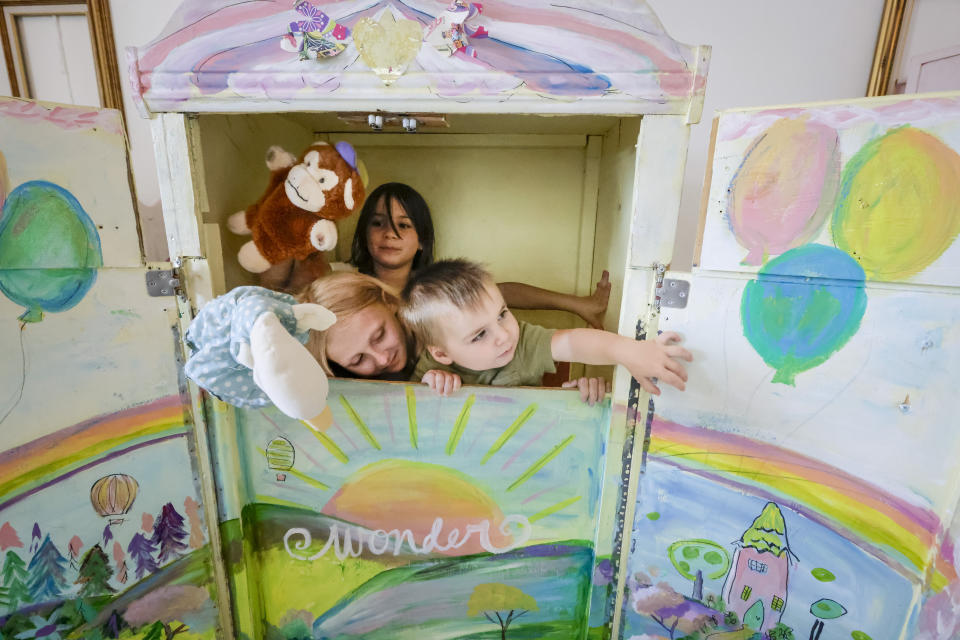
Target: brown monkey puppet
293, 221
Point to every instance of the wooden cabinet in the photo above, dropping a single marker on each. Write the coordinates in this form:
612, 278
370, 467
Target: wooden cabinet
770, 491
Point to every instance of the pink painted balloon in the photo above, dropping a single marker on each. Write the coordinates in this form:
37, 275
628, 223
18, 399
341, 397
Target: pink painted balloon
785, 188
3, 179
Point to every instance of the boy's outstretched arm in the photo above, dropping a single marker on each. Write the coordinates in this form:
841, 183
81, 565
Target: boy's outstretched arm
644, 359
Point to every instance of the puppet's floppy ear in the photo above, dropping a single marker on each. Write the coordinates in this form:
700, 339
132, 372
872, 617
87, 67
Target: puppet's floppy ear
313, 316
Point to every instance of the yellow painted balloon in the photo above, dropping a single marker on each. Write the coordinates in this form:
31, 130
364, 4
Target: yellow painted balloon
899, 205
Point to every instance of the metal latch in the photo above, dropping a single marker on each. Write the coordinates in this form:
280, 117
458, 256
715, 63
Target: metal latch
162, 282
410, 122
673, 294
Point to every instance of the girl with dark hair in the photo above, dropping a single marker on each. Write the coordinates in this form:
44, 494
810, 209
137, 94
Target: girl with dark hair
394, 238
394, 235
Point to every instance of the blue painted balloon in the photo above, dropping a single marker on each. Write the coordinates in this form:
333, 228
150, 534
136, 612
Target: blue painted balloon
803, 306
49, 249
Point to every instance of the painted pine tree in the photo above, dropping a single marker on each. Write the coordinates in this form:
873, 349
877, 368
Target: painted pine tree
120, 558
95, 573
192, 507
114, 625
169, 534
14, 578
155, 632
35, 538
73, 548
141, 549
9, 537
46, 570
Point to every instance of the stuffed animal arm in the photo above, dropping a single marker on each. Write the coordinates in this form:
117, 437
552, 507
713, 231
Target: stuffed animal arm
248, 350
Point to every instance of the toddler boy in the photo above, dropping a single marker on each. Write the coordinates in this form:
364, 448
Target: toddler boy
468, 336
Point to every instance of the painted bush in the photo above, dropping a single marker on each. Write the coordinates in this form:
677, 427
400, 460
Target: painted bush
785, 188
803, 306
899, 205
49, 249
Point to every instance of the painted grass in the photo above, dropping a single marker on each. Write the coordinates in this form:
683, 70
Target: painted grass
310, 586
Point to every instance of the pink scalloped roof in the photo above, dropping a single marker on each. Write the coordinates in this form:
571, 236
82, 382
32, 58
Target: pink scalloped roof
608, 56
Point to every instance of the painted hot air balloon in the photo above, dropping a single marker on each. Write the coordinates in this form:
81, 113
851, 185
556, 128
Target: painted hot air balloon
49, 249
280, 457
113, 495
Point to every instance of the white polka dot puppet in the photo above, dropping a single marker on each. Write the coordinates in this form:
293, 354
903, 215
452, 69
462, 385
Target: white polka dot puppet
248, 350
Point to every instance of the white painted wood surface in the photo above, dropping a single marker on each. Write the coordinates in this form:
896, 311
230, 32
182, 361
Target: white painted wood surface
43, 141
661, 157
174, 153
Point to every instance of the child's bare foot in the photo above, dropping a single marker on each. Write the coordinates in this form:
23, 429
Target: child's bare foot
594, 307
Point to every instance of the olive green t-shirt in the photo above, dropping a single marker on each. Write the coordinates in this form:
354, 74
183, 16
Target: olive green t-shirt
531, 360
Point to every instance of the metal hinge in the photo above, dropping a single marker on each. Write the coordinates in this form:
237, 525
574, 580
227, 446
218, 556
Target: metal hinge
670, 293
163, 282
673, 294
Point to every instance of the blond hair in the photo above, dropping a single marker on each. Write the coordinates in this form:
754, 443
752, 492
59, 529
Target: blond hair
344, 293
433, 290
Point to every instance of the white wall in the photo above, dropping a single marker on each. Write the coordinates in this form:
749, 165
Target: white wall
767, 52
135, 23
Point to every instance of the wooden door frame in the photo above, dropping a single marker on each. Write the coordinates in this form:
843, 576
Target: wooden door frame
101, 38
884, 54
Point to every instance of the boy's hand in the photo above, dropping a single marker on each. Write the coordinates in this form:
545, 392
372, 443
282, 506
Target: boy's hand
443, 382
592, 390
655, 359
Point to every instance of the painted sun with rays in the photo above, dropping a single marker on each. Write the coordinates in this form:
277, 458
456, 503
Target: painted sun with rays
398, 458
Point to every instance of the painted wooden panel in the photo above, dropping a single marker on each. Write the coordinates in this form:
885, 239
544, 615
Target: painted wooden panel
420, 516
103, 529
856, 453
540, 57
80, 155
880, 180
657, 186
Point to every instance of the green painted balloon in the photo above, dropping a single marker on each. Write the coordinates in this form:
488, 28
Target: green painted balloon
859, 635
653, 515
803, 306
712, 557
823, 575
49, 249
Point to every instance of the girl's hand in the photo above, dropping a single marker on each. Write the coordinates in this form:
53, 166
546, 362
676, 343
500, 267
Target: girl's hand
443, 383
592, 390
647, 359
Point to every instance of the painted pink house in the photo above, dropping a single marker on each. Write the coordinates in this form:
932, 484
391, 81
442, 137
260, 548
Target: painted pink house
756, 584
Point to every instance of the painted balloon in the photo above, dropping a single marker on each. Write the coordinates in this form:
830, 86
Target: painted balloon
803, 307
113, 495
899, 205
280, 456
3, 179
785, 188
49, 249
